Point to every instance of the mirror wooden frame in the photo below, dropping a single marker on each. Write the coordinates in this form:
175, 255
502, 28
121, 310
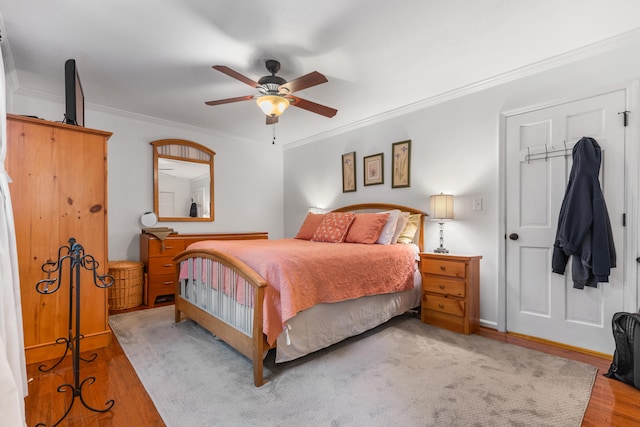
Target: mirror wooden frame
187, 151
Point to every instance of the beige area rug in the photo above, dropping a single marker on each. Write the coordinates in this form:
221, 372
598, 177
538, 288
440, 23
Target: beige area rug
403, 373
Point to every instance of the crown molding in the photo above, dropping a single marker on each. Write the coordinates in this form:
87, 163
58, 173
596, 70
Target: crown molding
603, 46
617, 42
130, 115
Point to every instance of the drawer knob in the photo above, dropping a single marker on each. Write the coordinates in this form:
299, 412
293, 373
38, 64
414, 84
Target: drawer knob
443, 268
168, 265
441, 286
441, 305
168, 283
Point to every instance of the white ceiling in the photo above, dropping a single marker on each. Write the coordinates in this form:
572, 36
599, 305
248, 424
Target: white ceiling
154, 58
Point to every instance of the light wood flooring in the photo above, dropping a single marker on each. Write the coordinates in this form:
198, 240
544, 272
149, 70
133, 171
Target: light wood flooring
612, 403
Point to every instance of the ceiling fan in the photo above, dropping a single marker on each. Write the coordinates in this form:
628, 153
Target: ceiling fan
276, 93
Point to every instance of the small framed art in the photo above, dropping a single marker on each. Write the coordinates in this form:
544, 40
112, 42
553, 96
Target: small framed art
349, 172
401, 164
374, 169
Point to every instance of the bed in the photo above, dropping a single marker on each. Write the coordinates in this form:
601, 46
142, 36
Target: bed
264, 294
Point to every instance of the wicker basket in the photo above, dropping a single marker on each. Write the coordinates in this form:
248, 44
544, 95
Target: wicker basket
126, 291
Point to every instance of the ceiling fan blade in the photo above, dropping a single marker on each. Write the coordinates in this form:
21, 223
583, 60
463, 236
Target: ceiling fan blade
236, 75
272, 120
230, 100
306, 81
323, 110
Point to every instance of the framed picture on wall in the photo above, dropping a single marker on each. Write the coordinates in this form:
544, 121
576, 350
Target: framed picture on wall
374, 169
401, 164
349, 172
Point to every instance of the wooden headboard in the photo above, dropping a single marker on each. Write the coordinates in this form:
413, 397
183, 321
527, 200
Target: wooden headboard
381, 207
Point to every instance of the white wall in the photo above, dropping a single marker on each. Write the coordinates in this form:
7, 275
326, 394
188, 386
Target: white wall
248, 177
456, 149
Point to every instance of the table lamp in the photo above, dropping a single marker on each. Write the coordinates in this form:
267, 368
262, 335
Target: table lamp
441, 209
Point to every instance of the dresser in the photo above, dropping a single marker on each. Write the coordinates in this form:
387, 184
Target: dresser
58, 191
159, 268
451, 291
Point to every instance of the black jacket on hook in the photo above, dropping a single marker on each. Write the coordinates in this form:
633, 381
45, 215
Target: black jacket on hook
584, 230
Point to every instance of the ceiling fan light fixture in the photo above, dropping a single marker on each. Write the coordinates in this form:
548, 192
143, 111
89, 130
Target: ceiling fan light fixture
272, 105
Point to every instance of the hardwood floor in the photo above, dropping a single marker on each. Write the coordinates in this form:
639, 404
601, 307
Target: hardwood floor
115, 379
612, 403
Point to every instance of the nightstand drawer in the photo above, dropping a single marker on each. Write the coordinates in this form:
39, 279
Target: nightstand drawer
443, 285
445, 268
445, 305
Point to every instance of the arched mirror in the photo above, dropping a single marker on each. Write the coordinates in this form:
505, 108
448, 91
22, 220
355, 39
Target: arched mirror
182, 181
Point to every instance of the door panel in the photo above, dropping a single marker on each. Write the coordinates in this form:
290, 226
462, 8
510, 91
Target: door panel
541, 303
534, 198
533, 288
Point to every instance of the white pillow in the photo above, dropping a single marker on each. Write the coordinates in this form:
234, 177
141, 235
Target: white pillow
403, 219
390, 228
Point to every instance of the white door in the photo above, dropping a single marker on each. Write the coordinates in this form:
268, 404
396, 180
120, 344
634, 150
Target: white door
541, 303
166, 205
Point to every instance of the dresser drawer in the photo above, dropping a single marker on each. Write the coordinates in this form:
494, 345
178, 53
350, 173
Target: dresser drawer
161, 265
442, 304
171, 248
445, 268
162, 284
443, 285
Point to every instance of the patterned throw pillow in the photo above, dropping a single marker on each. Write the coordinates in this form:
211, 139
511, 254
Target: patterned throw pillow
334, 227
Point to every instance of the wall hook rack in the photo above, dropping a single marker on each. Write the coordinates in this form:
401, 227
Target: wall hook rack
77, 259
548, 154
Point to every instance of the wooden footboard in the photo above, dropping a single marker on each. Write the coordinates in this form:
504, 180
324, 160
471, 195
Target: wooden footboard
225, 296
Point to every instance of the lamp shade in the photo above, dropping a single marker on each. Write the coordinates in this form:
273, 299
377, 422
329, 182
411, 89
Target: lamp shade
442, 206
272, 105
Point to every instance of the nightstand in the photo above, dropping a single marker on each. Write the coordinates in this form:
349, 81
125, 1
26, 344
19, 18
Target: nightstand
451, 291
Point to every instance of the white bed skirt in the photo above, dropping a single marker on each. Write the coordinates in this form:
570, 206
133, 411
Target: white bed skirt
327, 324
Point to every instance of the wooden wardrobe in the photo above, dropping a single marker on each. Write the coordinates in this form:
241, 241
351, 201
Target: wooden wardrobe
58, 192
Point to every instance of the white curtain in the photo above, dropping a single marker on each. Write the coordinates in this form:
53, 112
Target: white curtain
13, 371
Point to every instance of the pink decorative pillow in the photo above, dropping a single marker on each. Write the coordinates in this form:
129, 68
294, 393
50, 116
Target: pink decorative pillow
366, 228
309, 226
334, 227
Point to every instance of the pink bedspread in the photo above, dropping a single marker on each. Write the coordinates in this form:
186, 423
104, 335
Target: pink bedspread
302, 274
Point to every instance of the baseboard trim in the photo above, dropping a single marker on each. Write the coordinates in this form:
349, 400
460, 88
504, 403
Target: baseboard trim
52, 350
550, 343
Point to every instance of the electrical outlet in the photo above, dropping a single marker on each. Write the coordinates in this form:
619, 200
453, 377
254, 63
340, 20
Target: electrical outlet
477, 203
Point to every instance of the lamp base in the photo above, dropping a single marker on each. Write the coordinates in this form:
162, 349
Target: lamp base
441, 250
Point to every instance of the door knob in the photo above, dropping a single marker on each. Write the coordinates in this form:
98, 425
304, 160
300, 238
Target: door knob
513, 236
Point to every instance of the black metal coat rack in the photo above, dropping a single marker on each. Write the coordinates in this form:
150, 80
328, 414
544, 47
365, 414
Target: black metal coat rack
77, 260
